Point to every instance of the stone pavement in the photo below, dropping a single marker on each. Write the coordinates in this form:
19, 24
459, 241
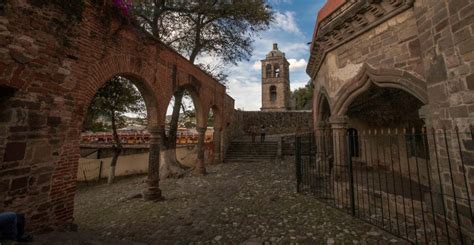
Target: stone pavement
249, 203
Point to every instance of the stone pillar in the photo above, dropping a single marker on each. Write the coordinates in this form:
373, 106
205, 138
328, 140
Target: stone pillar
153, 192
339, 132
200, 169
217, 145
340, 155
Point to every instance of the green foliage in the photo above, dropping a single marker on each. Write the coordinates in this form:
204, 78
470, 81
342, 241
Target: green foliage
216, 28
303, 97
112, 101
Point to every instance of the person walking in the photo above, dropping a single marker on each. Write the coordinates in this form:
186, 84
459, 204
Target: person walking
262, 134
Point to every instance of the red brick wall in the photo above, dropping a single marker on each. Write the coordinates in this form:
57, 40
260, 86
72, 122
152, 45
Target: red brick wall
57, 65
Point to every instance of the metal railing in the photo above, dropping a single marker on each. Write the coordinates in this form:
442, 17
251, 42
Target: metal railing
416, 184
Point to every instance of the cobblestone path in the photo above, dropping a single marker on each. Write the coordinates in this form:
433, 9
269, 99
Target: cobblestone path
235, 203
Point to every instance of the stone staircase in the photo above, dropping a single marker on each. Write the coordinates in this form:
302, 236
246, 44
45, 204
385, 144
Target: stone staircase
246, 151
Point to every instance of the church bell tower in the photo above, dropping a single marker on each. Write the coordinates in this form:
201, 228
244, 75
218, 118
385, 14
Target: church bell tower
275, 81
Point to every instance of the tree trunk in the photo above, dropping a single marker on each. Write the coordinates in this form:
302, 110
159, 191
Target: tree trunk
117, 147
169, 165
172, 168
113, 164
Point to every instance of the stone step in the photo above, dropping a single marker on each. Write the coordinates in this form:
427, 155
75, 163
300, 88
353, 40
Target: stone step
250, 157
247, 160
251, 152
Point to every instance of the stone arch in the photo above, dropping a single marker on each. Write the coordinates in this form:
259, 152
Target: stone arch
384, 78
322, 106
268, 71
276, 70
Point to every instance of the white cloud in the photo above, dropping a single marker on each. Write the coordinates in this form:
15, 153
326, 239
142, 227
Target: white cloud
286, 22
257, 65
247, 93
297, 64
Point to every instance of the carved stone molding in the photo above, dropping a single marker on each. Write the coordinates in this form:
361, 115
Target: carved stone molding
351, 20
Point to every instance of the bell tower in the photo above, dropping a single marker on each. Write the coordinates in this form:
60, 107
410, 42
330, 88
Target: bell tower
275, 81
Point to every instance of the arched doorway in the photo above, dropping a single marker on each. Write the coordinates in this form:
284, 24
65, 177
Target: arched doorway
214, 136
384, 153
137, 135
183, 121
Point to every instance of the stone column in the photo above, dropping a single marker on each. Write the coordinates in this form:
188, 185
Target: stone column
153, 192
200, 169
340, 171
217, 145
340, 154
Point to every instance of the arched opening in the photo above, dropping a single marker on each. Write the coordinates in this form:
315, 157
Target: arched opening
324, 133
180, 136
276, 70
6, 120
119, 139
213, 137
268, 71
273, 93
392, 148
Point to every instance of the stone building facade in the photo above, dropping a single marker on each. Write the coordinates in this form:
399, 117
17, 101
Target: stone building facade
406, 65
276, 94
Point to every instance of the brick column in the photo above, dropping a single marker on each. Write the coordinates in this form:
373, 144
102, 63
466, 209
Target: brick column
200, 169
217, 145
153, 192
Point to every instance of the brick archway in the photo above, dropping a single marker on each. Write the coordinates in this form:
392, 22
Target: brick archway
54, 85
385, 78
143, 76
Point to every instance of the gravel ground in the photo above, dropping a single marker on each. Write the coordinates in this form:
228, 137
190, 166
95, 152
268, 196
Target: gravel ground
235, 203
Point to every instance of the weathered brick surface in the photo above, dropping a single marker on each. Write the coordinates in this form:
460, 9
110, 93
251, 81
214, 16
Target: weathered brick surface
56, 65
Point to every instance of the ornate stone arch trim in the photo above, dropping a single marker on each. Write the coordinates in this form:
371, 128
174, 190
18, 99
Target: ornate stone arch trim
318, 103
385, 78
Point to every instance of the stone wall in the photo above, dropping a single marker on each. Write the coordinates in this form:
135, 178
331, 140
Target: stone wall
275, 122
421, 47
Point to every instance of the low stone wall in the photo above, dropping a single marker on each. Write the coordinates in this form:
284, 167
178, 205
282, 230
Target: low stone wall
281, 122
132, 164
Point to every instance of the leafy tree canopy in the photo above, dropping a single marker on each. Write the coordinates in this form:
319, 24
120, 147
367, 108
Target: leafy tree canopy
116, 98
218, 28
303, 97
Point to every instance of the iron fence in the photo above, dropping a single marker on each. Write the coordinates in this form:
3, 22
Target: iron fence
416, 184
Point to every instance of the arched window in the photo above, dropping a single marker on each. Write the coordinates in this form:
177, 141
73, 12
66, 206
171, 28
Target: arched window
276, 70
353, 142
273, 93
268, 69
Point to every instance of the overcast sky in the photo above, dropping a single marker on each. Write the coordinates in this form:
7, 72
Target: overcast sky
292, 30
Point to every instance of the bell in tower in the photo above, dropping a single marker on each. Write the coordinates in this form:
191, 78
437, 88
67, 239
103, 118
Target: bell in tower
275, 81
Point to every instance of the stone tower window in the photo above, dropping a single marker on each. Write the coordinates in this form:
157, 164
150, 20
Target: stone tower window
273, 93
268, 69
276, 70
